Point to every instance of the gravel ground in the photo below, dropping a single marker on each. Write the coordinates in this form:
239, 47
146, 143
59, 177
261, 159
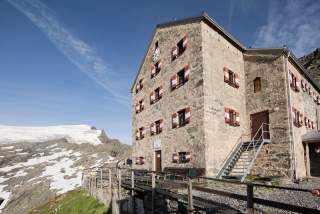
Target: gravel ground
304, 199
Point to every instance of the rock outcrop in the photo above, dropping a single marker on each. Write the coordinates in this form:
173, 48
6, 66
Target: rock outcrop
312, 63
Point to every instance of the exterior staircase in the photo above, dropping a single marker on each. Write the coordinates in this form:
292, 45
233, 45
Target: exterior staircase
241, 158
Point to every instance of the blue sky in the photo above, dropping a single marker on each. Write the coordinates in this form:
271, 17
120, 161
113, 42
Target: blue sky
73, 61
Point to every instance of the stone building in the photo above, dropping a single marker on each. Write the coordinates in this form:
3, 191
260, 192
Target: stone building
202, 100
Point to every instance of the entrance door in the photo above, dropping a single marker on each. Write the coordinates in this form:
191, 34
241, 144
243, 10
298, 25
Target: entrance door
256, 121
158, 161
314, 155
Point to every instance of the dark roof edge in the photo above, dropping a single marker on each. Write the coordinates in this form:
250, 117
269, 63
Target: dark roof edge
305, 73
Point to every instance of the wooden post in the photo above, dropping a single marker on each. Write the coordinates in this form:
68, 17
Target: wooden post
110, 183
101, 179
153, 186
249, 198
119, 184
190, 200
308, 160
132, 193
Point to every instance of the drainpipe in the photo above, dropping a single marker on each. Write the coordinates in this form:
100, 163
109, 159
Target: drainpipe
292, 147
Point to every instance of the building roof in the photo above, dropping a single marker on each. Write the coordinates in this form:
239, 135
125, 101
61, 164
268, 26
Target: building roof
215, 26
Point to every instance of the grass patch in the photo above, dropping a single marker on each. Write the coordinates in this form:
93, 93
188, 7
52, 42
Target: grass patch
73, 202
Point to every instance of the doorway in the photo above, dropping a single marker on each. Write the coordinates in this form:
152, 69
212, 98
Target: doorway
257, 120
314, 155
158, 167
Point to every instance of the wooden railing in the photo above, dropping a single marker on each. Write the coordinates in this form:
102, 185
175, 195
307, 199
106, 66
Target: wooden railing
166, 183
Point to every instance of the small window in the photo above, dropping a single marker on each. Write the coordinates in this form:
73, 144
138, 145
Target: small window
140, 133
139, 106
156, 45
257, 84
158, 127
139, 86
180, 48
231, 77
156, 95
156, 69
184, 157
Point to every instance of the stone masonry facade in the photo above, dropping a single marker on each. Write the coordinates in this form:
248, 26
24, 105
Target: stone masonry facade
205, 138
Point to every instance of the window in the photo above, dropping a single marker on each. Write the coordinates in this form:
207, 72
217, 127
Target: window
184, 157
294, 82
180, 78
231, 77
297, 117
140, 133
156, 127
156, 68
139, 106
156, 95
180, 48
156, 45
139, 85
257, 85
181, 118
140, 160
231, 117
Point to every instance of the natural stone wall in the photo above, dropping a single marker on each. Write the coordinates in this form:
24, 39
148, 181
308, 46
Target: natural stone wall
274, 159
189, 138
303, 102
220, 137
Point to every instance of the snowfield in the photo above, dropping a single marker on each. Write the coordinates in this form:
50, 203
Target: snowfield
72, 133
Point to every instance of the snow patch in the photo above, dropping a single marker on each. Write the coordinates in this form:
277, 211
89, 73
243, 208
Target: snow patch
6, 147
73, 134
3, 194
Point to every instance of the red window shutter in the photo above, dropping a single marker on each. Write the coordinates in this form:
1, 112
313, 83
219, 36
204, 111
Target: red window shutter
174, 52
161, 125
142, 105
143, 132
297, 84
174, 81
137, 108
306, 121
185, 41
294, 116
226, 74
175, 158
161, 91
152, 97
137, 135
188, 115
226, 115
300, 119
309, 123
237, 119
237, 81
174, 120
159, 64
186, 72
302, 85
188, 156
153, 70
290, 78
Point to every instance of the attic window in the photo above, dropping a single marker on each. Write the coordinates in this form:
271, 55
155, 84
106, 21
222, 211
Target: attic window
139, 85
179, 49
156, 45
257, 85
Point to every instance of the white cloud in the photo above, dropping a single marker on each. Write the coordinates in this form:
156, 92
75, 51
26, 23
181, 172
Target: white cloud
294, 23
77, 51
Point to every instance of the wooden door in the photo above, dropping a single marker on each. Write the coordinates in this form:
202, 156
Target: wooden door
158, 161
256, 121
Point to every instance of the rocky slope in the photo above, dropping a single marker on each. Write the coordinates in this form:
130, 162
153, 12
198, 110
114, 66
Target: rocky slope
49, 161
312, 63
